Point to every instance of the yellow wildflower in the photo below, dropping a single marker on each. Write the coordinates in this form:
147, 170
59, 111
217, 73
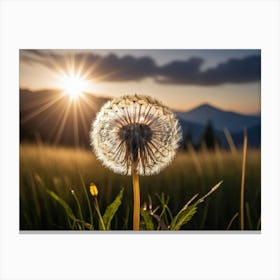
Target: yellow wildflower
93, 189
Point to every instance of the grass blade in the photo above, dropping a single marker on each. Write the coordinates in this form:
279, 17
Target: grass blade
248, 214
232, 220
188, 211
148, 222
259, 224
184, 217
88, 200
112, 209
230, 141
80, 213
63, 203
243, 182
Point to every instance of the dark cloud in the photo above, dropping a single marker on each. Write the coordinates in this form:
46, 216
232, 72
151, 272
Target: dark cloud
129, 68
243, 70
110, 67
181, 72
125, 68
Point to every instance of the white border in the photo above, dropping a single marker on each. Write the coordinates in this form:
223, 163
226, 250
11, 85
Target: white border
155, 24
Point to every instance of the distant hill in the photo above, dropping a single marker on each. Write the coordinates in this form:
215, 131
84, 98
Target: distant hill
194, 129
254, 137
220, 119
48, 116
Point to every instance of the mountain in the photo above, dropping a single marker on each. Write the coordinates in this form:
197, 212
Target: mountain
253, 134
196, 130
220, 119
196, 120
50, 117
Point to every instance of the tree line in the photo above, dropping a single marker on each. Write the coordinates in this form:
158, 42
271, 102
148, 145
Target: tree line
208, 139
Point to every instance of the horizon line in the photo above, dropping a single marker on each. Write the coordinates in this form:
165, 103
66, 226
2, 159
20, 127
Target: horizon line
100, 95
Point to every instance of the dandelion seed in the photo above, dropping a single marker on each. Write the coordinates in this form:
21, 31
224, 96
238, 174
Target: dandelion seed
135, 132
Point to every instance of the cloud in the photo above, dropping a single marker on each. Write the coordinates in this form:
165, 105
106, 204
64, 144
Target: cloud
232, 71
181, 72
125, 68
130, 68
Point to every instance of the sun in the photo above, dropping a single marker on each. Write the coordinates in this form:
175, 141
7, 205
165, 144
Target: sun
73, 85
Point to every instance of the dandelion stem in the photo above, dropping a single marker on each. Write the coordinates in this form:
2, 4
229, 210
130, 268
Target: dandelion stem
136, 194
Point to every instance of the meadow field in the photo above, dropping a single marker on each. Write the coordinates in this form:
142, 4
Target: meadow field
68, 172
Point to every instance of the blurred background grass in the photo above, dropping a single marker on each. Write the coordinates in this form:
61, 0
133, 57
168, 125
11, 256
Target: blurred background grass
64, 169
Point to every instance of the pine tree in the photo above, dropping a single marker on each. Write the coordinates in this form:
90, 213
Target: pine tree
188, 140
209, 138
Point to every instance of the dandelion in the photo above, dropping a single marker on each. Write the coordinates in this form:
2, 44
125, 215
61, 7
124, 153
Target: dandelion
93, 189
135, 132
135, 135
94, 192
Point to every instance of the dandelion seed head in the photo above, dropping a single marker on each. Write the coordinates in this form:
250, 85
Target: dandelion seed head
135, 132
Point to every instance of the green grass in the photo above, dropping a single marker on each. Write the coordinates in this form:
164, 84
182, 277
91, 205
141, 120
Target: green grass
65, 170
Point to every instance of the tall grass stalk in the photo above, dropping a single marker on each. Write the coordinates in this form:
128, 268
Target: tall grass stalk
88, 201
232, 220
230, 141
195, 158
96, 206
243, 181
78, 205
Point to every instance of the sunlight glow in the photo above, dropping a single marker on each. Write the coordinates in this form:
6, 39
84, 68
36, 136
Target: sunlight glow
73, 85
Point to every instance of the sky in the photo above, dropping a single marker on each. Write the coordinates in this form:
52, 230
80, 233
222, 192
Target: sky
181, 79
